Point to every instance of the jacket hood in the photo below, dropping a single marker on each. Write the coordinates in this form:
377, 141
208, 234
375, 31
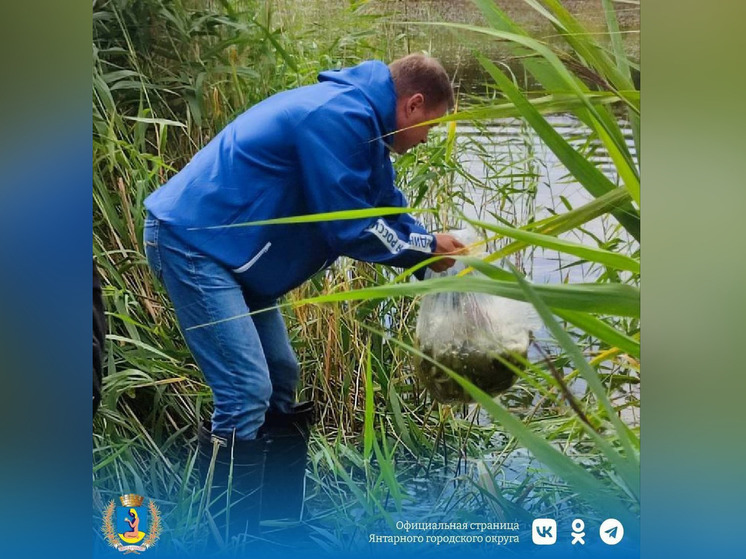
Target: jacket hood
373, 79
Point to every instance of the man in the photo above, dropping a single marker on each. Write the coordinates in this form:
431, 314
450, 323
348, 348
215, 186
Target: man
315, 149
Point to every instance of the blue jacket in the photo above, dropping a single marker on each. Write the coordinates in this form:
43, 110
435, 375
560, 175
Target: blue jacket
309, 150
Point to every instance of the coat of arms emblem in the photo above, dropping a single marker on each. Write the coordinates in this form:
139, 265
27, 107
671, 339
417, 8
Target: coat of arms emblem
132, 527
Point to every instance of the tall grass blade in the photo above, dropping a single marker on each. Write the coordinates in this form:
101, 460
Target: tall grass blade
601, 330
555, 103
608, 258
369, 433
622, 62
386, 464
325, 216
615, 299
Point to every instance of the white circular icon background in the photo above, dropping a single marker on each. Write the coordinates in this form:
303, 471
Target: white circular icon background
608, 535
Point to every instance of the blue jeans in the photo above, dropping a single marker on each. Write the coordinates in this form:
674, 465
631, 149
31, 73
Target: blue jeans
247, 361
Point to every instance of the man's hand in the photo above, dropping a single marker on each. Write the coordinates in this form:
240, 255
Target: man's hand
446, 244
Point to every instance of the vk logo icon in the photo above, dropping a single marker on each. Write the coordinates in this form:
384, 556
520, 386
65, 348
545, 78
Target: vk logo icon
544, 531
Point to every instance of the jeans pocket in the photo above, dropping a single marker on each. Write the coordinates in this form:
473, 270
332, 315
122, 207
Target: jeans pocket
152, 251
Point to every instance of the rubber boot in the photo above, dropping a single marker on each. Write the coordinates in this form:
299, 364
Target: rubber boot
232, 473
287, 455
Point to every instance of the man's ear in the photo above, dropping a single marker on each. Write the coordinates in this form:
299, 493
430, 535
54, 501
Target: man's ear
416, 101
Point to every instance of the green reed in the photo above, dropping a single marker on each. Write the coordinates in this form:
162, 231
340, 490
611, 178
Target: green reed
167, 76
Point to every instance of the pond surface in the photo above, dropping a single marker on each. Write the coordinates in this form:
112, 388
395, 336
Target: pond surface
543, 188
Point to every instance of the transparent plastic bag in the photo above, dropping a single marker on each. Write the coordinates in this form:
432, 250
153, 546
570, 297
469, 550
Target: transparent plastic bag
474, 335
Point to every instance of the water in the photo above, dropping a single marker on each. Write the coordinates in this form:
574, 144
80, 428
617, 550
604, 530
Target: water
543, 190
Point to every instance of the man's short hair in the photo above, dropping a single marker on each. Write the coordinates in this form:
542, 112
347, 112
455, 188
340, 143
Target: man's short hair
417, 73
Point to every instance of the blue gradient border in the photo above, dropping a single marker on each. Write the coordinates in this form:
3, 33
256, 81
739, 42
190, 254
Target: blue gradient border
693, 453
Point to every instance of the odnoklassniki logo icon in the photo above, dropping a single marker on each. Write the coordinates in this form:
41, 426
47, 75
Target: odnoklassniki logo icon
131, 528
